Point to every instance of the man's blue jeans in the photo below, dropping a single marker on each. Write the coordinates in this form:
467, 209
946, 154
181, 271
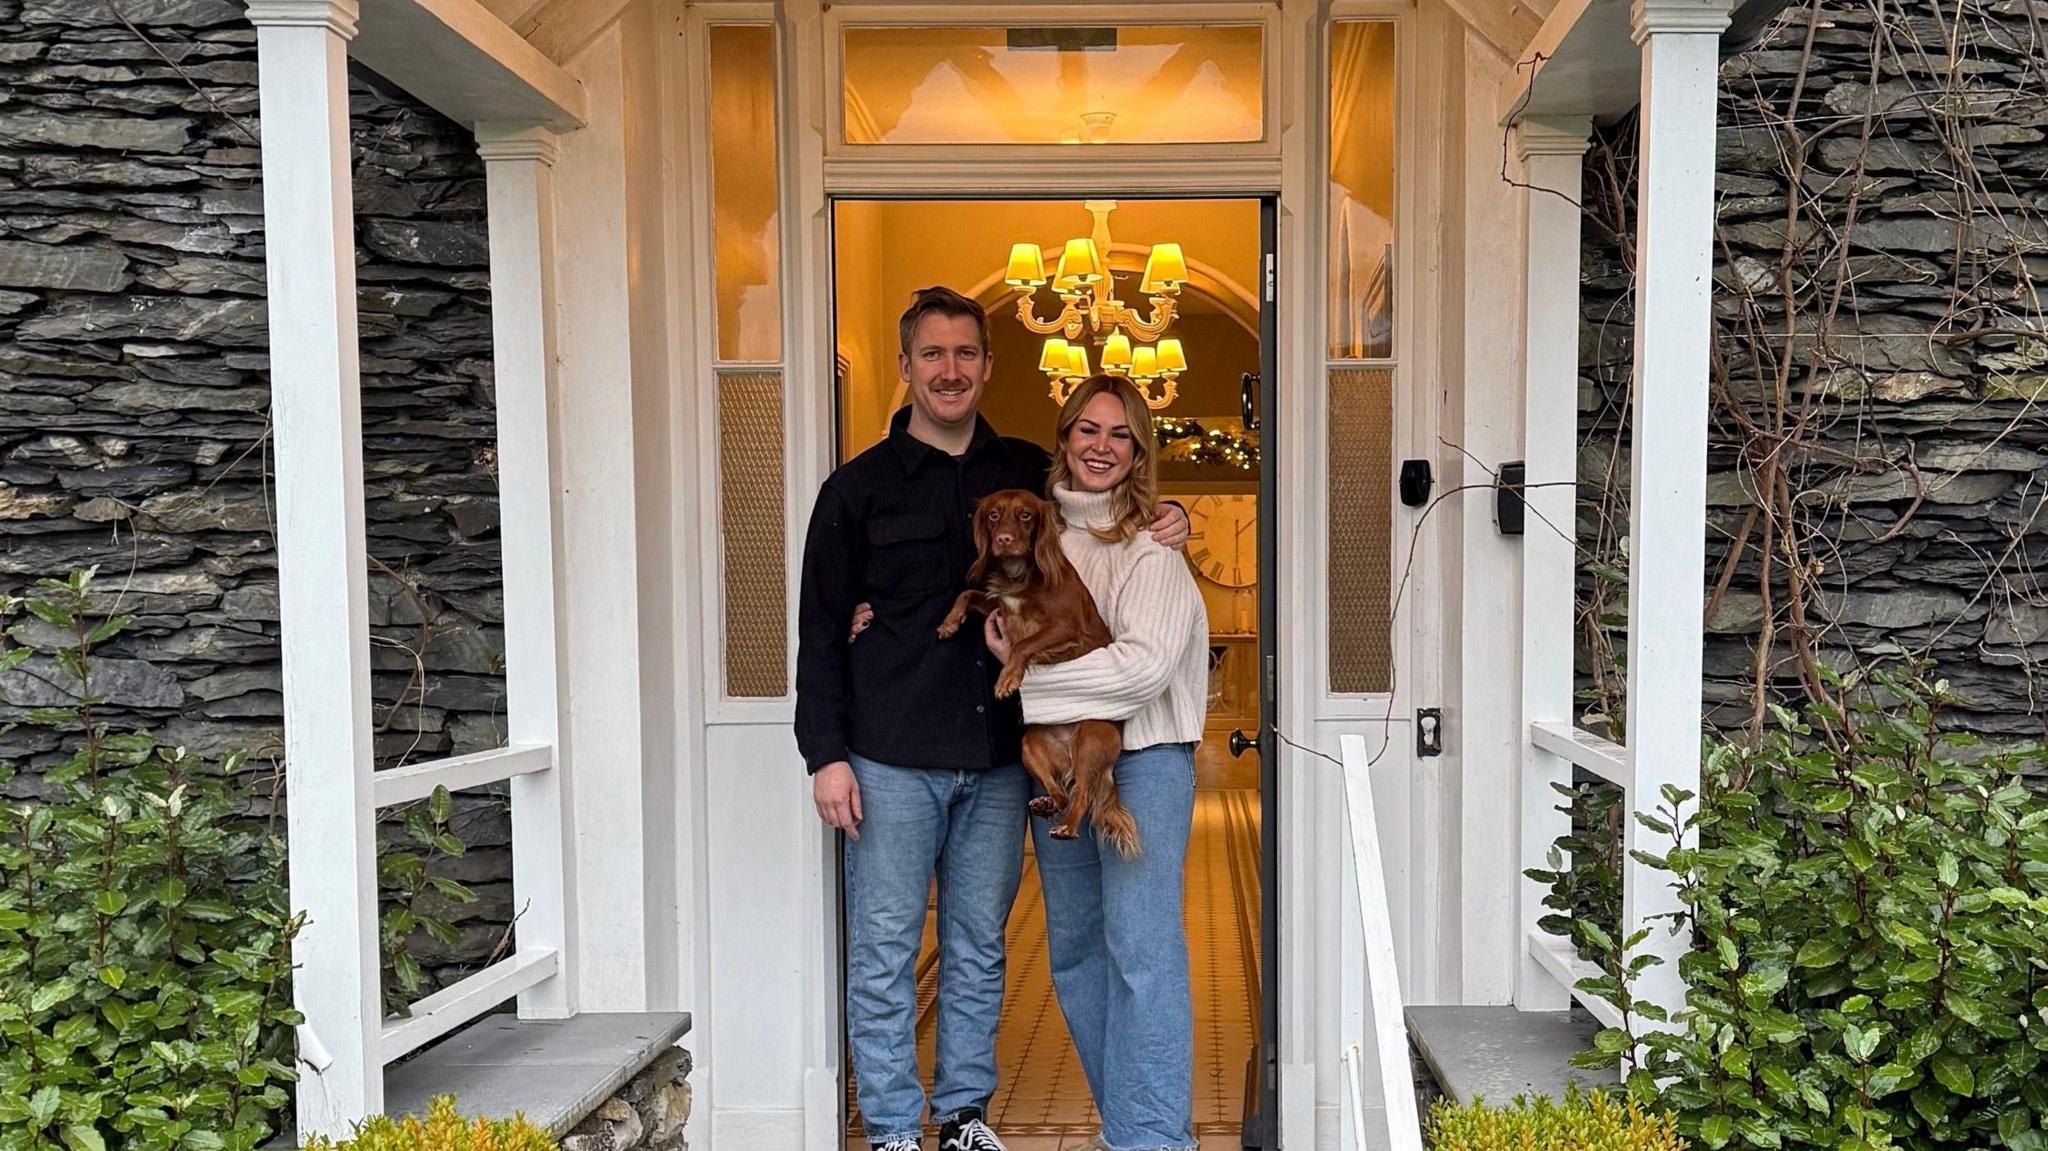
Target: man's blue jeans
1120, 954
968, 826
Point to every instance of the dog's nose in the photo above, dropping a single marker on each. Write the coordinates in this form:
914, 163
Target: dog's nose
1004, 537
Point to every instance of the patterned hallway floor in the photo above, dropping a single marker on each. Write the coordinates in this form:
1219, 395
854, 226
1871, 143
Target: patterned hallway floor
1042, 1101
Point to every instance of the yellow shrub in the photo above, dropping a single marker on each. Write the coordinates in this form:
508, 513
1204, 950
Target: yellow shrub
1593, 1122
441, 1130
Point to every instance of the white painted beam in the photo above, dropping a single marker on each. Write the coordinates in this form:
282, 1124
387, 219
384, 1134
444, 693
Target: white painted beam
323, 568
1551, 153
1577, 64
1489, 733
464, 62
418, 780
1603, 757
1395, 1083
1561, 964
1680, 42
1502, 23
518, 172
464, 1000
560, 29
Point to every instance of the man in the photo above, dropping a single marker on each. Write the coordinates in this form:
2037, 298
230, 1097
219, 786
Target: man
910, 753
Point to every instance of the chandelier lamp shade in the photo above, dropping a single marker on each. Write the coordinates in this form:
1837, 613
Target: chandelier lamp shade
1134, 345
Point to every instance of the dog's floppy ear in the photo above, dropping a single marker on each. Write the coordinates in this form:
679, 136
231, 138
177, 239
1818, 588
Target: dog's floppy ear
981, 556
1045, 549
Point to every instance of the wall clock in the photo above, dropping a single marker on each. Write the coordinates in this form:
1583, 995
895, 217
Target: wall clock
1223, 540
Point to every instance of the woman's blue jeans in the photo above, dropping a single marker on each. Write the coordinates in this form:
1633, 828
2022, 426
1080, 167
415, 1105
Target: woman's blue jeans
965, 826
1120, 955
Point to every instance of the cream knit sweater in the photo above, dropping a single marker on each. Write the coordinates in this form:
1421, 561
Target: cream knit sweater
1155, 674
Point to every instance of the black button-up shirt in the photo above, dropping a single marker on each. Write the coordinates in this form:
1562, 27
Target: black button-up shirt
894, 527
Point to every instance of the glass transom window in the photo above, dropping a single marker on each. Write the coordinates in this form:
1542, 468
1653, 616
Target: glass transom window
1100, 84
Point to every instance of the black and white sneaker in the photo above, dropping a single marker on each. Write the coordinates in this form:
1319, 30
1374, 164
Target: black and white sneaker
968, 1133
897, 1145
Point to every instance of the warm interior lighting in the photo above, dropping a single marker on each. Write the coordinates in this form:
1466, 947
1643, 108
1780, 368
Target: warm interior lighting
1172, 360
1027, 266
1145, 364
1079, 266
1165, 270
1087, 295
1055, 360
1116, 352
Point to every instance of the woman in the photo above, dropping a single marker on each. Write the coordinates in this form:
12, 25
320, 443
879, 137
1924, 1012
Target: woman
1113, 926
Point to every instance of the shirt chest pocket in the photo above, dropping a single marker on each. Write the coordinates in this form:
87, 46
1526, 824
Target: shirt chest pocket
907, 556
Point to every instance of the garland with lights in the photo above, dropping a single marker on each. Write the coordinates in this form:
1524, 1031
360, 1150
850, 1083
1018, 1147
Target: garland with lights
1187, 441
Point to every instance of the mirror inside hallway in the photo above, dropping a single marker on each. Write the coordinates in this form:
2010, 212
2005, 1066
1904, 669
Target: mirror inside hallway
883, 252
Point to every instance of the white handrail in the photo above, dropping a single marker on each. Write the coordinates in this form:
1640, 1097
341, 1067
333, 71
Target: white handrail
1597, 754
396, 785
1382, 973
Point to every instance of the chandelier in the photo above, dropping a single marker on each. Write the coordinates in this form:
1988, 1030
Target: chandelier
1134, 346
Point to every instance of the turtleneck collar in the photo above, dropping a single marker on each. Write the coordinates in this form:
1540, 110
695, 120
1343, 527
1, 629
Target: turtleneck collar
1084, 509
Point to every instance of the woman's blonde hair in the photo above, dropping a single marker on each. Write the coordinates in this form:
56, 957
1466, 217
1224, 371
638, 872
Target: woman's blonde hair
1135, 502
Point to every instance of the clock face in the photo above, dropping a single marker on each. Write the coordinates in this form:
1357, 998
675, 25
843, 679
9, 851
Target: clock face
1223, 540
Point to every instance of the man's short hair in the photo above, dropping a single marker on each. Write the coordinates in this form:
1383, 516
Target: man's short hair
939, 301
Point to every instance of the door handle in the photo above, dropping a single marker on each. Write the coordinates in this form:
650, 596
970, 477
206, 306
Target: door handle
1241, 743
1248, 400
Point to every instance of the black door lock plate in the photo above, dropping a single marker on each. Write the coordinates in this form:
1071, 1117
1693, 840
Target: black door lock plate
1429, 731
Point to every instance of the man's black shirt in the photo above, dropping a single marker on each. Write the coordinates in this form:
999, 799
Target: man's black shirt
894, 527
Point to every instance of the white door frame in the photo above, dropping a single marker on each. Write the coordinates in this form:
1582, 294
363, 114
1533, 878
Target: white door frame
1314, 969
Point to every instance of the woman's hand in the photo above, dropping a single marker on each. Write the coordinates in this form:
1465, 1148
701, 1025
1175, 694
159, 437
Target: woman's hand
863, 615
992, 634
1171, 527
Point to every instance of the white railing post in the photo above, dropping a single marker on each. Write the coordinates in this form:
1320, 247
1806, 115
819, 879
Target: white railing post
1551, 152
518, 167
1680, 42
323, 569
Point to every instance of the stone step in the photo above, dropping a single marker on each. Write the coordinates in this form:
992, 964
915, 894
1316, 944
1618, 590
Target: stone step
1497, 1053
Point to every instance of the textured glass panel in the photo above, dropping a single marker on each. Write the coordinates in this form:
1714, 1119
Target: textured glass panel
750, 490
1361, 528
1140, 84
1362, 190
746, 241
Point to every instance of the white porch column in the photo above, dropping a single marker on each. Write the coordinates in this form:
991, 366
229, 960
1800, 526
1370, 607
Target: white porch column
1668, 498
518, 171
323, 571
1551, 153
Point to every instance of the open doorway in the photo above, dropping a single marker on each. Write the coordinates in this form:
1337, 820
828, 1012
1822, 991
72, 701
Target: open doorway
885, 250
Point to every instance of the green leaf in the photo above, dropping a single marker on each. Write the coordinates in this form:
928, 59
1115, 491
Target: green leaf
83, 1137
1823, 952
1716, 1130
53, 615
1953, 1072
1730, 957
11, 920
440, 805
52, 993
110, 903
108, 628
42, 1106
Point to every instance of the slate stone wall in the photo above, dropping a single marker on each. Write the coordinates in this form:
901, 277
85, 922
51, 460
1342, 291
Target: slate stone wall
134, 394
1921, 488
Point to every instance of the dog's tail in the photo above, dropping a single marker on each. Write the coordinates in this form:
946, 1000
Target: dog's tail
1114, 823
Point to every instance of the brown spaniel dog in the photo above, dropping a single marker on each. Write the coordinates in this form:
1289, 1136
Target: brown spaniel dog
1049, 617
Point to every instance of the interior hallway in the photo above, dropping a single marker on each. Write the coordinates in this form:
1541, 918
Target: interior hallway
1041, 1101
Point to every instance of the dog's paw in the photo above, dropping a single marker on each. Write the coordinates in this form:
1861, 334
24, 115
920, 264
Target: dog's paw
1046, 805
1064, 832
949, 629
1008, 683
